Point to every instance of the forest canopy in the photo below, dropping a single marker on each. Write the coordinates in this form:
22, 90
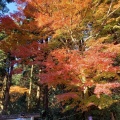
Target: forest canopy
65, 54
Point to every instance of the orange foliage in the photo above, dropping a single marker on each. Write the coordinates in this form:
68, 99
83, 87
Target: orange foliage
74, 70
17, 89
63, 14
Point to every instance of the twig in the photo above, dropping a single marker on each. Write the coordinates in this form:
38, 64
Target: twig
104, 21
110, 7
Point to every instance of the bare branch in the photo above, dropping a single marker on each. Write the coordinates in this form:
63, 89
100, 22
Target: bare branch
110, 7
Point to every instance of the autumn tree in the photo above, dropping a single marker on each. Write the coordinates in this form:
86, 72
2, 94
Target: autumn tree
71, 17
21, 31
72, 23
82, 77
76, 24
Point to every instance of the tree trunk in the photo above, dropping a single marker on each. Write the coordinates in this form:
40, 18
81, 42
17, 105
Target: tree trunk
38, 92
2, 93
45, 100
30, 87
112, 116
81, 46
7, 86
38, 95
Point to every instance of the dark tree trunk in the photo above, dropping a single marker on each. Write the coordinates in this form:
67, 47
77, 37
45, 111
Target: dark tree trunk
7, 81
45, 101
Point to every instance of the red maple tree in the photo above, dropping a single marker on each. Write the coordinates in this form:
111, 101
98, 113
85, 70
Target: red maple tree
78, 73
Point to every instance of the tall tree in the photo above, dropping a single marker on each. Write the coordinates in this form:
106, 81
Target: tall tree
71, 16
74, 19
82, 76
21, 32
